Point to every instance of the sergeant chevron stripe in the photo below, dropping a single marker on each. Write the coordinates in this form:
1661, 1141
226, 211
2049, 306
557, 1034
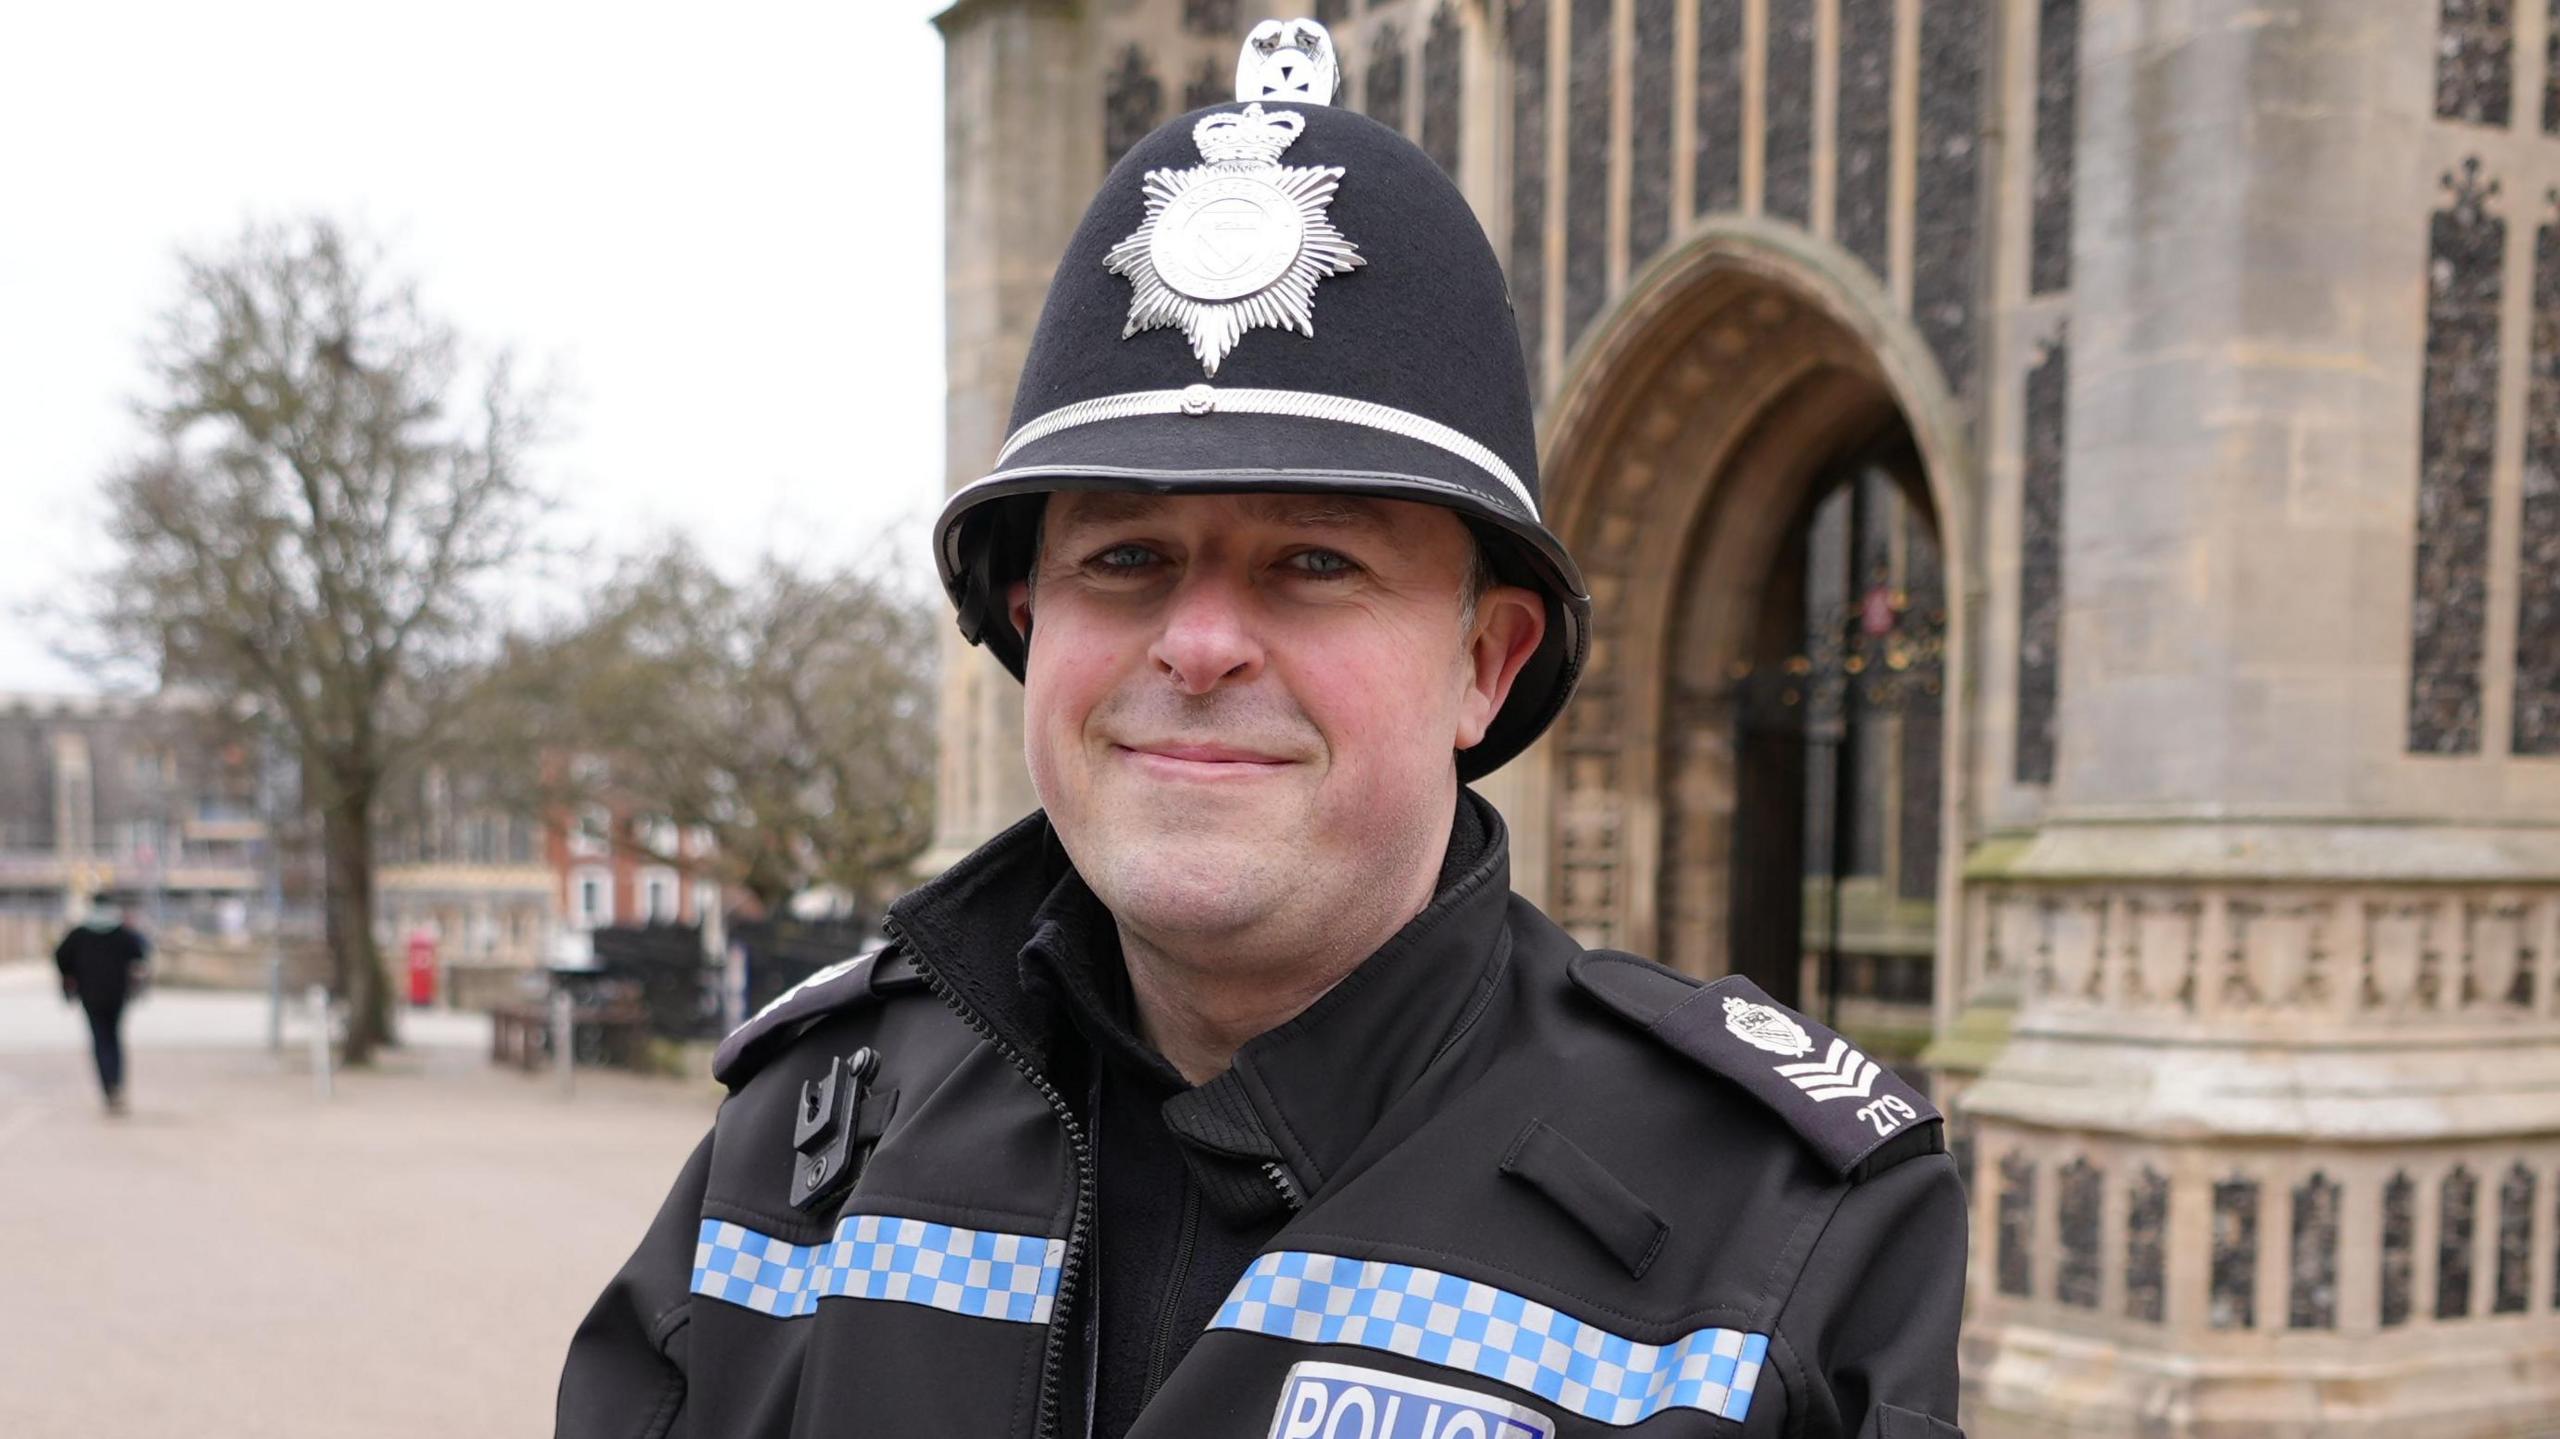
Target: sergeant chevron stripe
1841, 1074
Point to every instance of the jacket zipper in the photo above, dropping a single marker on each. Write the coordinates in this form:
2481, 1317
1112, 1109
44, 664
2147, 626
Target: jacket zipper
1278, 1174
1070, 1268
1178, 1279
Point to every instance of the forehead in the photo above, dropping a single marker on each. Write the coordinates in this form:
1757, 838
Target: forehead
1079, 509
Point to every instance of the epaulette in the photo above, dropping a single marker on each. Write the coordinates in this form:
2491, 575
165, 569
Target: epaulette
866, 978
1860, 1116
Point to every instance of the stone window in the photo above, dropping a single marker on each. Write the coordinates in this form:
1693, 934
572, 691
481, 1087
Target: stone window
1862, 190
1924, 580
2057, 133
2083, 1193
1210, 17
2146, 1247
2515, 1241
1649, 139
1954, 41
2551, 71
1209, 85
2537, 702
2040, 565
1132, 104
1786, 165
1443, 84
2399, 1248
2555, 1271
2475, 61
2235, 1254
2458, 431
1588, 91
2313, 1292
2457, 1201
2017, 1224
1383, 94
1718, 163
1527, 32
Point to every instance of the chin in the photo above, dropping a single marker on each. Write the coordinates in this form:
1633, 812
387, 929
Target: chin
1184, 883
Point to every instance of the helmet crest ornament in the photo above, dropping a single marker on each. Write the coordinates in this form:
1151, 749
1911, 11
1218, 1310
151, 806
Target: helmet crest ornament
1289, 60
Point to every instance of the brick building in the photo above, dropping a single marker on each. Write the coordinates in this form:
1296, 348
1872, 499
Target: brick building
497, 889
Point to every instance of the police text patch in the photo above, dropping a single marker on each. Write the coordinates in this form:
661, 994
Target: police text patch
1344, 1401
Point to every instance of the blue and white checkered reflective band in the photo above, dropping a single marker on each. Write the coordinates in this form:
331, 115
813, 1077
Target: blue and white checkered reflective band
1494, 1334
874, 1256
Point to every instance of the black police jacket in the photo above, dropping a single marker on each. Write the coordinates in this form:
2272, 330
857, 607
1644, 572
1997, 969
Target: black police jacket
1605, 1200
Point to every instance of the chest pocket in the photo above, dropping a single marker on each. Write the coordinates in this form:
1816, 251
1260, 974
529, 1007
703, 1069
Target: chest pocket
1589, 1195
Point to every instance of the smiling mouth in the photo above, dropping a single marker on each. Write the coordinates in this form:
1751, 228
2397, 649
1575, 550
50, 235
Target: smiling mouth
1202, 759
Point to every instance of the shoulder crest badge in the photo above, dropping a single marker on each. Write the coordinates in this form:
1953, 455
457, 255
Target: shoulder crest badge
1237, 243
1765, 1027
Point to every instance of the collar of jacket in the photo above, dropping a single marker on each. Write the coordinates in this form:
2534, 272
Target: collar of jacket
1316, 1083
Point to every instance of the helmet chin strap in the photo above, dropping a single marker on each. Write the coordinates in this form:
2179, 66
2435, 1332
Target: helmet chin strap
980, 605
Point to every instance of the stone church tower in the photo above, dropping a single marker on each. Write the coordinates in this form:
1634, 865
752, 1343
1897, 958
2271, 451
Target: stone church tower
2071, 494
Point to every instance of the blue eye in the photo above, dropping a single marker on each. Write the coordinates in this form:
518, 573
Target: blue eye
1322, 564
1120, 559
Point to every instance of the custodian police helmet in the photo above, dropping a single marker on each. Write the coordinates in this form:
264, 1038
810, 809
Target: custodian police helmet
1268, 295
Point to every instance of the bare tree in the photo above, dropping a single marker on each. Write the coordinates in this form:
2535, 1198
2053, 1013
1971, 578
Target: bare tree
330, 485
791, 716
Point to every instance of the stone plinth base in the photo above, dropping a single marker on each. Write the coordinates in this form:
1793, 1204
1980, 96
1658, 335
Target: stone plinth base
2500, 1378
2268, 1154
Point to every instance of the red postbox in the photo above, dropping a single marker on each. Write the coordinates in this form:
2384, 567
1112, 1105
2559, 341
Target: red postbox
422, 969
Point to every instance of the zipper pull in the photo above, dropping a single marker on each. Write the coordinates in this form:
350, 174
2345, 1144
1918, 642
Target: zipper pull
1290, 1194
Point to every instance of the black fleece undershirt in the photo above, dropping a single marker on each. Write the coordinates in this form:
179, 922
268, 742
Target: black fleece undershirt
1165, 1147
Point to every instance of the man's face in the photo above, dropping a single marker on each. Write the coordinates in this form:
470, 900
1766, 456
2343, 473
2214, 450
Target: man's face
1246, 708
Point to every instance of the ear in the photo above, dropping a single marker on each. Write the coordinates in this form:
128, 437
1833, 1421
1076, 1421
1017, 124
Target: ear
1017, 608
1510, 620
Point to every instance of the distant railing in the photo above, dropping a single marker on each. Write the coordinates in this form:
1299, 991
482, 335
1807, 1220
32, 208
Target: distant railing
781, 953
678, 986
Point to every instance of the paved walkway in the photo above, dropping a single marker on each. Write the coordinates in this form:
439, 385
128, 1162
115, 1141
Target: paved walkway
238, 1257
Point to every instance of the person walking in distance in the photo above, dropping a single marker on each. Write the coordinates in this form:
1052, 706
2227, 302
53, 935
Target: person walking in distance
104, 963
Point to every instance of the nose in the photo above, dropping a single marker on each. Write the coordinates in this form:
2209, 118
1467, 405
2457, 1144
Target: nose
1208, 637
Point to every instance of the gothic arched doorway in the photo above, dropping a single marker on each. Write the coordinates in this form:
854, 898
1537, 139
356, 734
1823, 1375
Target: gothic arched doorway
1760, 470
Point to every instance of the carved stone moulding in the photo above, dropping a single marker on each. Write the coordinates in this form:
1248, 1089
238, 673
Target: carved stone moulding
2270, 961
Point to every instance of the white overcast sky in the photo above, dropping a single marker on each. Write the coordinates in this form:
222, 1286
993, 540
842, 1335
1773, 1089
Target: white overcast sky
719, 226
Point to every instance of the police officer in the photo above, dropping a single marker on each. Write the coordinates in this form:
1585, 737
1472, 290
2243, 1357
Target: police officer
1234, 1093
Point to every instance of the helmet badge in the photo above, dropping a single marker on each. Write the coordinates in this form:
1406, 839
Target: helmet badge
1237, 243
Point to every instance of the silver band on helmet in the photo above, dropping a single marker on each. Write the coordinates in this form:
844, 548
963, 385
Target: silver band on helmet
1294, 404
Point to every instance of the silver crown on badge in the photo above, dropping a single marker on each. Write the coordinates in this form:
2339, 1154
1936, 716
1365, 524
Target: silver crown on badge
1238, 242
